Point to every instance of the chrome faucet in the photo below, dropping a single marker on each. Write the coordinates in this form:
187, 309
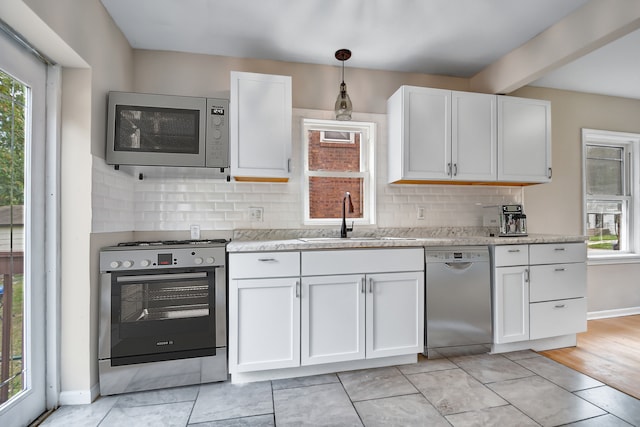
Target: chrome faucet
344, 229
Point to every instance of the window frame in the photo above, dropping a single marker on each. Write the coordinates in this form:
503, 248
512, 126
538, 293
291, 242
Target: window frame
367, 168
630, 143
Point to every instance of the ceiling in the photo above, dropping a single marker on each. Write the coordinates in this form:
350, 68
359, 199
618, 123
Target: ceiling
455, 38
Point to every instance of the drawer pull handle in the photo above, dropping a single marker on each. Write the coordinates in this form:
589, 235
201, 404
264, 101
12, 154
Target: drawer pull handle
362, 285
297, 289
526, 275
560, 249
267, 260
560, 306
560, 269
370, 285
513, 251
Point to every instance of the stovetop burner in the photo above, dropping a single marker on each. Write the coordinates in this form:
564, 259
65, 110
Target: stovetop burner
173, 242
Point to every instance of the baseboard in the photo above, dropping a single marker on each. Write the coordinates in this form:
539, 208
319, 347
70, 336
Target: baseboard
604, 314
79, 397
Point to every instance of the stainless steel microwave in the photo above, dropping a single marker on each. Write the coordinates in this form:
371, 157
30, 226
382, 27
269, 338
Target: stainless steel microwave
166, 130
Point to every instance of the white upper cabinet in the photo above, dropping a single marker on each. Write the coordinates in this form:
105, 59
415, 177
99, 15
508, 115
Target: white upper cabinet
260, 131
524, 140
419, 134
440, 135
473, 137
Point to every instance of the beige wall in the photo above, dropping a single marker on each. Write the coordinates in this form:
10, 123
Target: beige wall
314, 86
557, 207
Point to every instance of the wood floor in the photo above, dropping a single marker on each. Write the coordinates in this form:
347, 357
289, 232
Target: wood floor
609, 351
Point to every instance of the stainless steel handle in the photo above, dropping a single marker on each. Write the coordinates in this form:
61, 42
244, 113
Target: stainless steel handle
449, 169
160, 277
362, 285
455, 169
513, 251
560, 269
297, 289
560, 249
370, 285
550, 173
267, 260
560, 306
526, 275
289, 165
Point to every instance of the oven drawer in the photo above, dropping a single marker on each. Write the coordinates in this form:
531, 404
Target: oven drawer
264, 264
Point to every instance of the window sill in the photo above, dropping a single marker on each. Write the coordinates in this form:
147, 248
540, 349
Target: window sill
629, 258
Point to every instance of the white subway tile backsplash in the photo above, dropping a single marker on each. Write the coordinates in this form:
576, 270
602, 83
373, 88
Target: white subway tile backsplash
121, 202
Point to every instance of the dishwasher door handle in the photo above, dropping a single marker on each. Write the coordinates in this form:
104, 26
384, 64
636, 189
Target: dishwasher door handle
460, 266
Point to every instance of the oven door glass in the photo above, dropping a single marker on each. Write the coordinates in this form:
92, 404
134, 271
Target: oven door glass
156, 315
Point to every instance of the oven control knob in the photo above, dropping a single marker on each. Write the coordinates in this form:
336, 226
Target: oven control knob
127, 264
210, 260
198, 261
114, 264
145, 263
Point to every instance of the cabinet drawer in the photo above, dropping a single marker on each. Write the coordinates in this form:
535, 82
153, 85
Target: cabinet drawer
264, 264
551, 253
511, 255
557, 281
555, 318
317, 263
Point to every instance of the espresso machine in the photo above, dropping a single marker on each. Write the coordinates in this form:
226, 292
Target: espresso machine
513, 221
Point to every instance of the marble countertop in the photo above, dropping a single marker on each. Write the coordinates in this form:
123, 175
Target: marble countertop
291, 240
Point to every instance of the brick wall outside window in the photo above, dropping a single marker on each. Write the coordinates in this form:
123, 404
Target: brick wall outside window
326, 193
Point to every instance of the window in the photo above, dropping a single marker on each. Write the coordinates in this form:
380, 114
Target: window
610, 199
338, 158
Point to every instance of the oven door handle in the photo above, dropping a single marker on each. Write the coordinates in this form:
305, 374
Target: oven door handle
159, 277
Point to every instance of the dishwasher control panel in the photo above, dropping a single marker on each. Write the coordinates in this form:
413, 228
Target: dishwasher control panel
458, 254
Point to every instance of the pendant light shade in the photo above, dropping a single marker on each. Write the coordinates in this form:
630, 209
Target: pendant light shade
343, 107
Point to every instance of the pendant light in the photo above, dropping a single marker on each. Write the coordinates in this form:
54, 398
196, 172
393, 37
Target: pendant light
343, 107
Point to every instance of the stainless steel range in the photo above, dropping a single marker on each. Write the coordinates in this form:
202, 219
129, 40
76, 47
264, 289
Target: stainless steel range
163, 315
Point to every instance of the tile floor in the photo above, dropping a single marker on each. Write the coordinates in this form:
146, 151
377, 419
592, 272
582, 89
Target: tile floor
514, 389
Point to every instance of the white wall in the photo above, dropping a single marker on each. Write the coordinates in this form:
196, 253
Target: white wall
175, 204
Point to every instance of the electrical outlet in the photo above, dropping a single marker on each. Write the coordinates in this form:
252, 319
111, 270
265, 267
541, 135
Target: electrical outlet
420, 213
256, 214
195, 232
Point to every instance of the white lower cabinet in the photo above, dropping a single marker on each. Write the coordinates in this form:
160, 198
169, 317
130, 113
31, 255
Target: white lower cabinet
293, 309
395, 314
264, 311
539, 291
372, 307
333, 319
266, 324
511, 305
351, 317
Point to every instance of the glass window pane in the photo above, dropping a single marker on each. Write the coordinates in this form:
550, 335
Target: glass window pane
605, 170
326, 195
343, 156
606, 224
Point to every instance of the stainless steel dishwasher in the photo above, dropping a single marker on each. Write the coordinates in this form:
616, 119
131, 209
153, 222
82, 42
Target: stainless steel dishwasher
458, 300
